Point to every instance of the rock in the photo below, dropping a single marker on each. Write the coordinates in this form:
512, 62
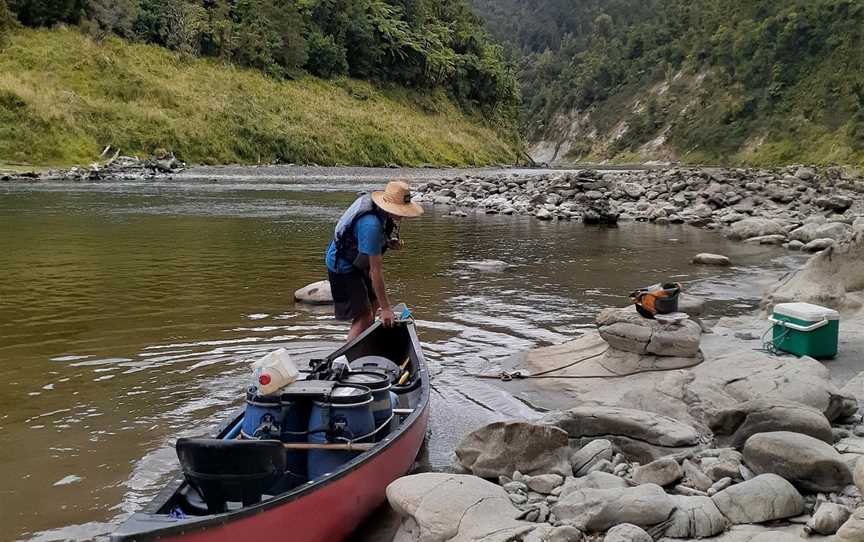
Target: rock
795, 245
712, 259
547, 533
662, 472
640, 432
695, 478
695, 517
503, 447
317, 293
806, 173
600, 509
692, 305
775, 240
765, 498
808, 463
828, 519
755, 227
720, 485
858, 475
437, 507
543, 214
810, 232
485, 265
853, 529
837, 203
594, 480
592, 453
627, 533
545, 483
744, 420
819, 245
626, 330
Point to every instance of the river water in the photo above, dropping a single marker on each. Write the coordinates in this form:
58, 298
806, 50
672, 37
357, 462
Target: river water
129, 313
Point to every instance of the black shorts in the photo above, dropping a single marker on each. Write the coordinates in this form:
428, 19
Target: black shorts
352, 293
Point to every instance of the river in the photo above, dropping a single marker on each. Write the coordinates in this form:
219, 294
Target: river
129, 313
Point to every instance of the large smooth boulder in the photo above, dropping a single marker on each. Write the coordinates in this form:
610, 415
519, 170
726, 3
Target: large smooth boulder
740, 422
663, 472
755, 227
625, 329
765, 498
828, 519
644, 436
837, 231
594, 480
627, 533
853, 529
858, 474
712, 259
317, 293
808, 463
695, 517
584, 459
437, 507
601, 509
501, 448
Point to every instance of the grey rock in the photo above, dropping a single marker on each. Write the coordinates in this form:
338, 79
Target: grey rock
627, 533
600, 509
755, 227
317, 293
775, 240
853, 529
808, 463
712, 259
806, 173
545, 483
503, 447
695, 517
837, 203
828, 519
694, 477
662, 472
744, 420
594, 480
548, 533
589, 455
819, 245
765, 498
626, 330
858, 475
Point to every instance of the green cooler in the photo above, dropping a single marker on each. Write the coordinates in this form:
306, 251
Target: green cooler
806, 330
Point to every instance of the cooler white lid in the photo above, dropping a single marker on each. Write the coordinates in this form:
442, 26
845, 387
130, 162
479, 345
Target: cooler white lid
806, 311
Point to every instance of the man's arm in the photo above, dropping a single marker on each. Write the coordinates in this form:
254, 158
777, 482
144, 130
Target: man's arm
376, 273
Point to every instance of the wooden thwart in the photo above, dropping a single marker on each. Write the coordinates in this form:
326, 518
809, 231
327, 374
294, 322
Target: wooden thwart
359, 447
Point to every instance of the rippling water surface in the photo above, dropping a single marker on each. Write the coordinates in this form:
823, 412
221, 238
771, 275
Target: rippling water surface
129, 314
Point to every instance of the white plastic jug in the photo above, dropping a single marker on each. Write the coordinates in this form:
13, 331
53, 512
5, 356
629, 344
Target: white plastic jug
274, 371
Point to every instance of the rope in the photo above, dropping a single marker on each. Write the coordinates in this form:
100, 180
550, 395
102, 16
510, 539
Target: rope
351, 441
772, 345
517, 375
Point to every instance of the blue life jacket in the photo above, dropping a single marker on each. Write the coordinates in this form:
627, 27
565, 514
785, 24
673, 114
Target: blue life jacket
346, 240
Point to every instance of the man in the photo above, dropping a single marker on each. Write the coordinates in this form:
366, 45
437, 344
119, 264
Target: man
354, 258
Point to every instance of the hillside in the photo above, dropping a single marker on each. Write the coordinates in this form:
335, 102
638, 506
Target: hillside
701, 81
64, 97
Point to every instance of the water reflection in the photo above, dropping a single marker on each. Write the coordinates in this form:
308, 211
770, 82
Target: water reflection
128, 316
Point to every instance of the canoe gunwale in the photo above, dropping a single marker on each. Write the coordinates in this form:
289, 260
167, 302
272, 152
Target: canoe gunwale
195, 524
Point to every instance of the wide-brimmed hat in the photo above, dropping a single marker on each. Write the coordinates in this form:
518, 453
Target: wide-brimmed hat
396, 200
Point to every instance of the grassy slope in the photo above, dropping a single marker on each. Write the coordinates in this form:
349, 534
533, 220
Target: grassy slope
63, 97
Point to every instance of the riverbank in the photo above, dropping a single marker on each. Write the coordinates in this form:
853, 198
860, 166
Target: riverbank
64, 97
729, 443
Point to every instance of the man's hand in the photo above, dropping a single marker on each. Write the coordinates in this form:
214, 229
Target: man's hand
387, 317
395, 244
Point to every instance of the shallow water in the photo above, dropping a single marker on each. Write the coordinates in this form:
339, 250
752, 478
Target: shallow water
129, 313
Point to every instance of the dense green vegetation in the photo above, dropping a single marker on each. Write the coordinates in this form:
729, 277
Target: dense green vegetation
760, 81
427, 46
64, 96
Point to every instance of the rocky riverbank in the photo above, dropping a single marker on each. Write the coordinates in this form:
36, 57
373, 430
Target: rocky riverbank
797, 207
674, 432
111, 167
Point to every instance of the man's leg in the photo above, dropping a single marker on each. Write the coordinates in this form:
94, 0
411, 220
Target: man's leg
360, 324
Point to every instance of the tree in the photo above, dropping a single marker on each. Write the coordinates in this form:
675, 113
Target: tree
45, 12
104, 17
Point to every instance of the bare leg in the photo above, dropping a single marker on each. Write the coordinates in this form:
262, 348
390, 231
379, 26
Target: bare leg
360, 324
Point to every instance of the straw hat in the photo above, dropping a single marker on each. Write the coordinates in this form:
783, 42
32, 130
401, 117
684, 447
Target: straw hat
396, 200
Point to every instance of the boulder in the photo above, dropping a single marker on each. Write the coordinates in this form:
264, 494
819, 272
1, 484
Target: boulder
589, 455
806, 173
808, 463
858, 475
765, 498
489, 266
739, 423
626, 330
831, 230
501, 448
828, 519
594, 480
600, 509
317, 293
837, 203
627, 533
755, 227
818, 245
853, 529
695, 517
438, 507
548, 533
694, 476
712, 259
775, 240
692, 305
662, 472
544, 483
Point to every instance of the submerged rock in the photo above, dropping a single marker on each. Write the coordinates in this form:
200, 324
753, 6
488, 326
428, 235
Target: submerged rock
317, 293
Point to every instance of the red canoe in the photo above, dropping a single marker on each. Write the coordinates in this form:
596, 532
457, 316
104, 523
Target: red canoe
327, 509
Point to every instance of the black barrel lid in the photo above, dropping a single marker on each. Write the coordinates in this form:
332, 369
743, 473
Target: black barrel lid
349, 394
371, 379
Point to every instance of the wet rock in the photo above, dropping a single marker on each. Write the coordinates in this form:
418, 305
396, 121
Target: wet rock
755, 227
695, 517
317, 293
627, 533
626, 330
490, 266
589, 455
765, 498
501, 448
746, 419
828, 519
662, 472
712, 259
437, 507
808, 463
600, 509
